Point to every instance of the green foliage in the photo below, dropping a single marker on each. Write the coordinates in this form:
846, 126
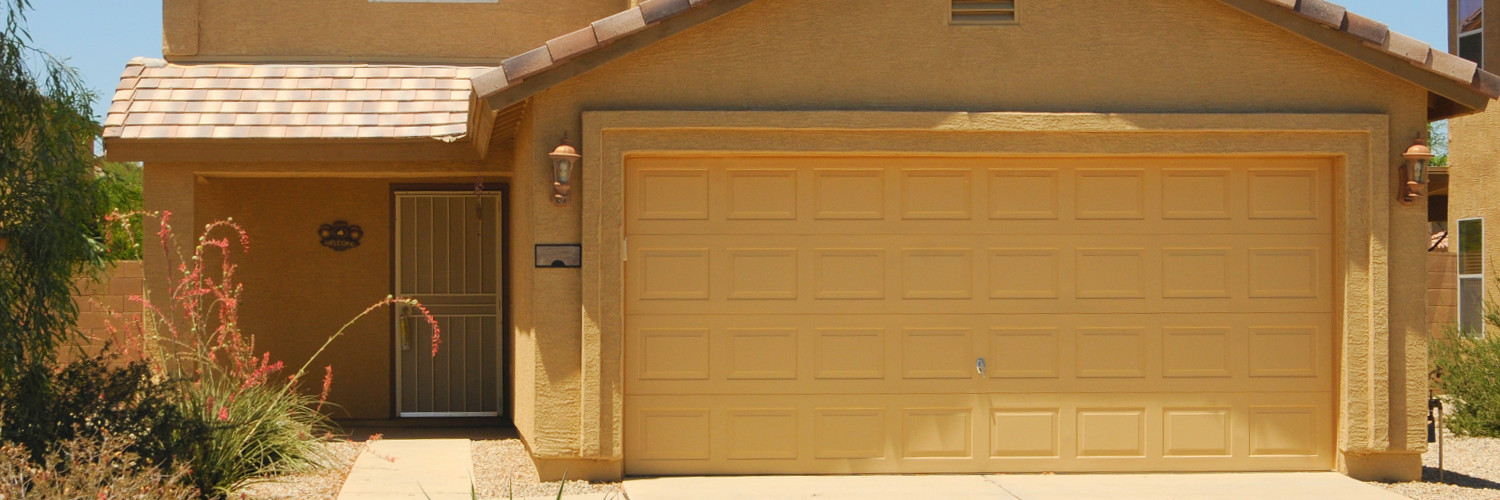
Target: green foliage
1437, 133
258, 422
122, 184
95, 397
88, 468
1468, 372
266, 430
52, 204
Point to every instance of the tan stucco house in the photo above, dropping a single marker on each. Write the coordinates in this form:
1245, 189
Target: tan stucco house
827, 236
1473, 178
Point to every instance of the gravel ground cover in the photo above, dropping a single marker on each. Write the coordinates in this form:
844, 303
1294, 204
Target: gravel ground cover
1473, 471
316, 485
501, 462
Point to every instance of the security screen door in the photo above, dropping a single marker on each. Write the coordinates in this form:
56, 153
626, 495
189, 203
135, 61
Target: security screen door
448, 257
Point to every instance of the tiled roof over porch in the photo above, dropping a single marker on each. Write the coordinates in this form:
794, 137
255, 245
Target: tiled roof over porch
158, 100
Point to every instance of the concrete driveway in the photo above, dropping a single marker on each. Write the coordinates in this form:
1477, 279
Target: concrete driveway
1279, 486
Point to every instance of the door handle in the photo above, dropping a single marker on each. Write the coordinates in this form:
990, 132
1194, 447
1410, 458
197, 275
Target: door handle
979, 366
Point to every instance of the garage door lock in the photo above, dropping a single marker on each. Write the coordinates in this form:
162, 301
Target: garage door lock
979, 366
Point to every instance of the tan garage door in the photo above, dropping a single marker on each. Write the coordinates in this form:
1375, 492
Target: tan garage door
938, 314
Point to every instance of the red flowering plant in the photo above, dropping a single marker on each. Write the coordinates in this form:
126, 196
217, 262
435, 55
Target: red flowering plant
261, 421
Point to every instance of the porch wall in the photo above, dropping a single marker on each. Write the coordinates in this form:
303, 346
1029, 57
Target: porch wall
297, 292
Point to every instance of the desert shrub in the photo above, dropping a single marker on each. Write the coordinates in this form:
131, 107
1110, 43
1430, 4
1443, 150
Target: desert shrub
256, 421
88, 467
95, 397
1468, 373
122, 184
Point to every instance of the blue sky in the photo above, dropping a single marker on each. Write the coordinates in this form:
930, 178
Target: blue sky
99, 36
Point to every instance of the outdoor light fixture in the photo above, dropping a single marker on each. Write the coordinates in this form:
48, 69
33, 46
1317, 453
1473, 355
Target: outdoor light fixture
340, 235
564, 160
1414, 174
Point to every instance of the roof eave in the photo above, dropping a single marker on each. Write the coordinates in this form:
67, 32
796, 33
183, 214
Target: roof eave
500, 92
284, 150
1450, 97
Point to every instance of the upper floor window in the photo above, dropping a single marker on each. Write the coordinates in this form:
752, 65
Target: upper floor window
1471, 276
1471, 30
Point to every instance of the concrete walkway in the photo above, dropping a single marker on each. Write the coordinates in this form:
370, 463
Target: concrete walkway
389, 469
1280, 486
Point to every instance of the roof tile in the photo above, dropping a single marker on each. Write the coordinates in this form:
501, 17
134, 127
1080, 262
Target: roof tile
523, 65
340, 132
1323, 11
656, 10
236, 71
268, 71
567, 45
205, 71
345, 107
360, 119
1487, 82
489, 81
1407, 47
204, 106
308, 107
1368, 29
368, 131
618, 25
1454, 67
274, 107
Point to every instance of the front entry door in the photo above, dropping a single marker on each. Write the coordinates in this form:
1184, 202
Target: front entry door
448, 258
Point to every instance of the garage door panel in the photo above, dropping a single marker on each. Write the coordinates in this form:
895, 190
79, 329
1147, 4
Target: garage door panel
979, 273
935, 354
979, 433
979, 195
926, 314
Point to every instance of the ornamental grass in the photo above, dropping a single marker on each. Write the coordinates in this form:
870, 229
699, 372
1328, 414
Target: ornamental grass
260, 420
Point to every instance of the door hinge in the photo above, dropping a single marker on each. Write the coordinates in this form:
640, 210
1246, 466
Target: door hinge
624, 249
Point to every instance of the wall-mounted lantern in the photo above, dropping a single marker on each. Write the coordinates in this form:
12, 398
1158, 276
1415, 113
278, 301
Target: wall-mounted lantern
340, 235
1414, 172
564, 160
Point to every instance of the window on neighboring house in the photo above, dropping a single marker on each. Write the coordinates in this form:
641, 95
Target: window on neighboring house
1471, 276
1471, 30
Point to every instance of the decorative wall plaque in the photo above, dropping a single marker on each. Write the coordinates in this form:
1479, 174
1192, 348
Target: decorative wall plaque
340, 235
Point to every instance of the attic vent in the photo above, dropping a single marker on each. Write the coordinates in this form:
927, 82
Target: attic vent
984, 11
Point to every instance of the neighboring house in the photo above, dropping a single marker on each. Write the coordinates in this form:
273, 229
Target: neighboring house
1474, 173
828, 236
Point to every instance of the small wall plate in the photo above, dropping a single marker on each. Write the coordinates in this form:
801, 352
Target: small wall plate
559, 256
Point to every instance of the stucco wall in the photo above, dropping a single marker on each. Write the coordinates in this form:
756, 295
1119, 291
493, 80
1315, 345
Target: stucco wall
364, 30
1123, 57
1473, 177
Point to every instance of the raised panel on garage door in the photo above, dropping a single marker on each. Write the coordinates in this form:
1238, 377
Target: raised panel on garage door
829, 314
